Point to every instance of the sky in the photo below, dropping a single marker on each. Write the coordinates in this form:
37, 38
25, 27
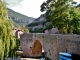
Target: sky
29, 8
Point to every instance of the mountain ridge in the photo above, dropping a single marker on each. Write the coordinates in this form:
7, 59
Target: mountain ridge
19, 18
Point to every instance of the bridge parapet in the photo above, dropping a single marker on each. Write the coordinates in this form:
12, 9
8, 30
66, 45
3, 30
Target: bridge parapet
51, 43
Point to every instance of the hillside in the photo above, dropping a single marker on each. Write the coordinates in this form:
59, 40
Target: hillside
19, 18
39, 25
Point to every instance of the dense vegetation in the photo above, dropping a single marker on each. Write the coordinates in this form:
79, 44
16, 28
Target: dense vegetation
8, 43
46, 25
63, 14
25, 30
19, 18
41, 30
36, 23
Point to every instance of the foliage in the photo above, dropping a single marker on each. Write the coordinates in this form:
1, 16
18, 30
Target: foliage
46, 25
7, 40
37, 23
25, 29
63, 14
41, 30
19, 18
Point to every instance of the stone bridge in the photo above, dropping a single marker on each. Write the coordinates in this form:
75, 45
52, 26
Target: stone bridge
32, 44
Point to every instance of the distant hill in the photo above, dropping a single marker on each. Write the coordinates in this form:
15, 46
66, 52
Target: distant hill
39, 25
19, 18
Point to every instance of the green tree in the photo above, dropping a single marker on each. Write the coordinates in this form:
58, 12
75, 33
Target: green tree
7, 40
61, 14
25, 29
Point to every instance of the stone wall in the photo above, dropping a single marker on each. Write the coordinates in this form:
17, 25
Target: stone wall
51, 43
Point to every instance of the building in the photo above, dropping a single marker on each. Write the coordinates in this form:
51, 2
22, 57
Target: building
17, 31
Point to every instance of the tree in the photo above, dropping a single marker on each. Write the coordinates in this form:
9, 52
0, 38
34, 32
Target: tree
61, 14
7, 40
75, 22
25, 29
